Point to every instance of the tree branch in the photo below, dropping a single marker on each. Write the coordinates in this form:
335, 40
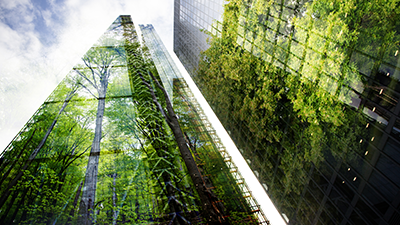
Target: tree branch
91, 69
84, 77
78, 156
88, 90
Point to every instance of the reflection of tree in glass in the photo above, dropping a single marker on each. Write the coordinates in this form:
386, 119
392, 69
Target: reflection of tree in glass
298, 98
99, 62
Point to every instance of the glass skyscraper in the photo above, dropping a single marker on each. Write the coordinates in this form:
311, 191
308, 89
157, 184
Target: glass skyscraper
104, 148
309, 91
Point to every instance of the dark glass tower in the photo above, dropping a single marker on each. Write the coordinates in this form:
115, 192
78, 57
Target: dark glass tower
309, 92
104, 147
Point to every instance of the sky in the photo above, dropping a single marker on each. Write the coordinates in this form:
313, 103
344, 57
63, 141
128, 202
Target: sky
41, 40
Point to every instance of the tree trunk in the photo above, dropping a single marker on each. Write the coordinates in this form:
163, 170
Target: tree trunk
29, 202
137, 205
78, 193
9, 207
20, 202
174, 206
210, 213
114, 200
86, 207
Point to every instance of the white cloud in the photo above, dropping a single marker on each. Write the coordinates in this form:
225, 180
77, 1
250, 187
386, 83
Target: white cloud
18, 14
13, 4
46, 14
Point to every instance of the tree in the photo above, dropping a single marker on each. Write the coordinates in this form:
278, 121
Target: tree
99, 62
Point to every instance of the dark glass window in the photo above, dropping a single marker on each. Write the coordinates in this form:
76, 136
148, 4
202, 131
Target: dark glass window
336, 216
366, 212
344, 188
389, 168
387, 189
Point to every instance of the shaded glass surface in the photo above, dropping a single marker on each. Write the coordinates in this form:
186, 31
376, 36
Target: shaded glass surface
309, 91
99, 152
192, 20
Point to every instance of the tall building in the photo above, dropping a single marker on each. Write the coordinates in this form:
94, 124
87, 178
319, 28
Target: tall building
113, 145
309, 91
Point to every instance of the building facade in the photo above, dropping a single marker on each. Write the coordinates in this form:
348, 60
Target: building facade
309, 92
100, 149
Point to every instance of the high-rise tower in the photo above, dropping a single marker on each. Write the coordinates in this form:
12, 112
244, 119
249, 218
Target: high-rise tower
309, 91
112, 144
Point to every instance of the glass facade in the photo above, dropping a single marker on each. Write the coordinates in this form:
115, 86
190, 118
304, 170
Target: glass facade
309, 92
192, 20
162, 60
101, 150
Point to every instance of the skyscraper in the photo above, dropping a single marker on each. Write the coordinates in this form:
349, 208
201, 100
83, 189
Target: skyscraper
309, 92
114, 145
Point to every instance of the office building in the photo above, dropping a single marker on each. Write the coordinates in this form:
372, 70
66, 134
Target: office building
104, 148
309, 91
